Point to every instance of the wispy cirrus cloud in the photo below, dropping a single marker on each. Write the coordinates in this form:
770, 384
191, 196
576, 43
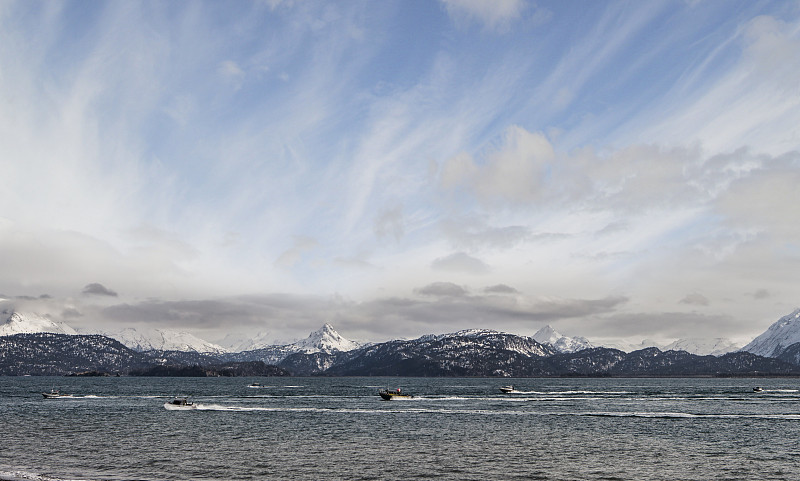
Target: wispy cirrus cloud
494, 16
338, 151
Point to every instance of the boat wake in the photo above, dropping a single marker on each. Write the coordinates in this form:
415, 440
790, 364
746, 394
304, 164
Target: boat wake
28, 476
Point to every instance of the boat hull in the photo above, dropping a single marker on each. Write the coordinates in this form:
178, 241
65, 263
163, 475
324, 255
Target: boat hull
178, 407
391, 395
48, 395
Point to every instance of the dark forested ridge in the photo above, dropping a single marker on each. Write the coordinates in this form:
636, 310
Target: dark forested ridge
47, 354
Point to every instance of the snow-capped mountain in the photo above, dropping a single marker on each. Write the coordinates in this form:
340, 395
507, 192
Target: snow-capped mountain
704, 347
164, 340
242, 342
548, 335
325, 340
29, 323
625, 344
697, 346
779, 336
474, 352
480, 338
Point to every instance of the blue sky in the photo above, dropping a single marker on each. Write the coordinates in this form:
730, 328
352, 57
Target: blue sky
614, 169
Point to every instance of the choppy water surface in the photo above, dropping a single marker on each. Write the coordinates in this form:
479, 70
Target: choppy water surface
338, 428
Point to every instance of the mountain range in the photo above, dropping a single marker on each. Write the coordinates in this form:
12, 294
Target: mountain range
326, 339
164, 340
464, 353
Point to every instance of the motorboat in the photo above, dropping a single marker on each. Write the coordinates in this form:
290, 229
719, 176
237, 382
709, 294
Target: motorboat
388, 395
179, 403
758, 389
506, 389
255, 384
55, 394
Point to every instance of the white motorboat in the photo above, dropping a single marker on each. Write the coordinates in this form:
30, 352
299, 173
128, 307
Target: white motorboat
506, 389
55, 394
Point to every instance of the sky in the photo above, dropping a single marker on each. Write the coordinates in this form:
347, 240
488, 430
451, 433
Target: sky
615, 169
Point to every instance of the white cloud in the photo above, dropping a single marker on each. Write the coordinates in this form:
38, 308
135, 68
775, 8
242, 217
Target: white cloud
389, 223
494, 15
232, 72
300, 247
514, 172
756, 103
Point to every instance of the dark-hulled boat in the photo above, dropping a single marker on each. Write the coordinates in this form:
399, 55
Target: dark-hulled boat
179, 403
388, 395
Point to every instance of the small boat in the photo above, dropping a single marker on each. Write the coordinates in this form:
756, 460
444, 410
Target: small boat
179, 403
55, 394
758, 389
388, 395
255, 384
506, 389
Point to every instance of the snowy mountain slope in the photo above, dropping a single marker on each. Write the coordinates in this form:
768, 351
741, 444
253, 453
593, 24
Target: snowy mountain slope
51, 354
548, 335
164, 340
29, 323
241, 342
704, 347
475, 352
697, 346
625, 344
488, 337
326, 340
779, 336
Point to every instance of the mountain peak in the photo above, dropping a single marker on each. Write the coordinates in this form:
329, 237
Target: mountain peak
788, 319
29, 323
326, 339
548, 335
780, 335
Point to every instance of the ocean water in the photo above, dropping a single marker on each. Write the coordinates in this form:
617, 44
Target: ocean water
338, 428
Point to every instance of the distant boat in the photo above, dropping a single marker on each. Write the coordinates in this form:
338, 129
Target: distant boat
255, 384
388, 395
506, 389
758, 389
179, 403
55, 394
